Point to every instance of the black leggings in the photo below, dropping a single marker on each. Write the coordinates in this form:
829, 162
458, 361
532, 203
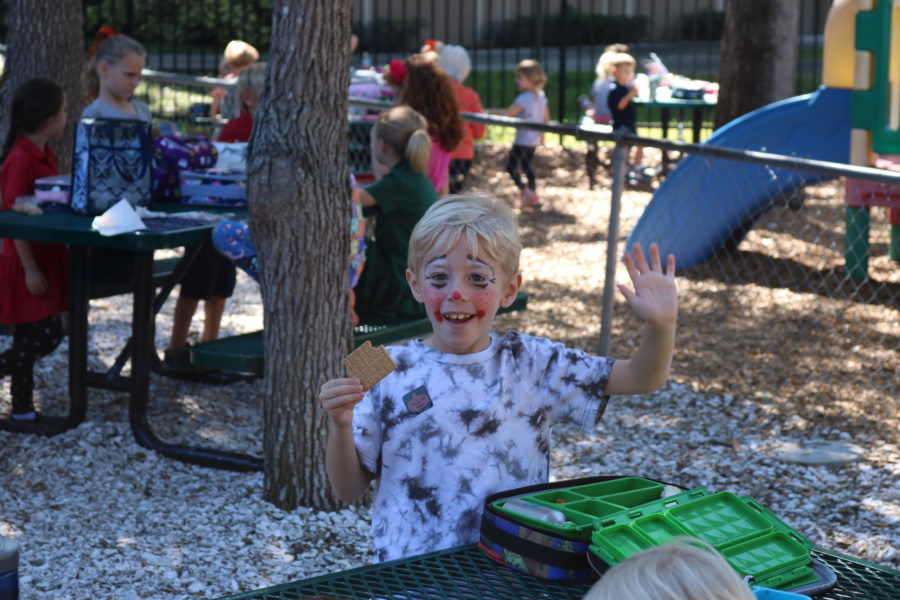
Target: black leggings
459, 171
31, 341
520, 158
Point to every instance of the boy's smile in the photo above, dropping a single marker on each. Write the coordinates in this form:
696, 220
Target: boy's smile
462, 294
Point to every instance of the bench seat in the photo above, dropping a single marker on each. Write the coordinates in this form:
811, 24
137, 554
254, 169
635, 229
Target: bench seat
162, 269
244, 353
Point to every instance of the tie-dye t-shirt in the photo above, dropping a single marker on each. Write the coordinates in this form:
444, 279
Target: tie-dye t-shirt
444, 431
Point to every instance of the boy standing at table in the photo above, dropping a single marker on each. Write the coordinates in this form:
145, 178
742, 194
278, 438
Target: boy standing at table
468, 412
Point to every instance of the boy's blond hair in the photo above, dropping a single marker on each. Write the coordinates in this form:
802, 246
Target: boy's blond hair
621, 58
251, 80
683, 569
486, 223
533, 71
240, 54
603, 64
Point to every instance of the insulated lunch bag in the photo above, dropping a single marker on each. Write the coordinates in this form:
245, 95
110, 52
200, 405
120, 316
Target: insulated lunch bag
111, 161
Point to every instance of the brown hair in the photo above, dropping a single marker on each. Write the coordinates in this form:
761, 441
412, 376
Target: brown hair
33, 103
533, 71
112, 50
429, 91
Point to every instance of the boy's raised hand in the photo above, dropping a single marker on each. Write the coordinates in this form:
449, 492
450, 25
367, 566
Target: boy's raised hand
338, 397
654, 298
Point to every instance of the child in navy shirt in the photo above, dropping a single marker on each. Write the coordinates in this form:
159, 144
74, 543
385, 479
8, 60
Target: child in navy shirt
621, 102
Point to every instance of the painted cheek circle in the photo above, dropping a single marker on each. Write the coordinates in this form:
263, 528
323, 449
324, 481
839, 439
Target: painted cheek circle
438, 316
480, 314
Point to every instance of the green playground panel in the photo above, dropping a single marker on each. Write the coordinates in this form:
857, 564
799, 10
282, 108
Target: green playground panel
870, 108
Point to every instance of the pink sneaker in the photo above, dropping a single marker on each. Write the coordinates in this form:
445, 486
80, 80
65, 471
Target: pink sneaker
531, 198
522, 200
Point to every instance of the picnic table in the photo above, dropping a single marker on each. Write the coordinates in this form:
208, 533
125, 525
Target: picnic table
465, 573
679, 106
73, 229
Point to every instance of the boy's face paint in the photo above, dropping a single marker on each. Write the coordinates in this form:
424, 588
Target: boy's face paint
461, 294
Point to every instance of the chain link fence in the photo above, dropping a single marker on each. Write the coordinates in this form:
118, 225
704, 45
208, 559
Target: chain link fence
785, 290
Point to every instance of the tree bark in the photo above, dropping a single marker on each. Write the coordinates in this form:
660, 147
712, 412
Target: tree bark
759, 55
299, 195
44, 40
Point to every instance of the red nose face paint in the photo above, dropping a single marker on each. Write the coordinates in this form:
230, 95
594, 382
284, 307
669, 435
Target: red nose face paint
456, 295
438, 316
480, 314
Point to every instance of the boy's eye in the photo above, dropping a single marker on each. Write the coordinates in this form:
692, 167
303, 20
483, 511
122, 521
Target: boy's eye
437, 279
480, 280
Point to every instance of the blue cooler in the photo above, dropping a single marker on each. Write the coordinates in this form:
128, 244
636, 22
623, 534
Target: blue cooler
9, 569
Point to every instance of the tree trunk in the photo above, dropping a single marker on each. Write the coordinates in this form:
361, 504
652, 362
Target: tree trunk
44, 40
759, 55
299, 217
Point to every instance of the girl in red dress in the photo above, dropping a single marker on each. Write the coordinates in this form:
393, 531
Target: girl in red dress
34, 276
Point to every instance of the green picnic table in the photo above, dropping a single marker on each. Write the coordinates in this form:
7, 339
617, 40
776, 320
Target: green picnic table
171, 231
464, 573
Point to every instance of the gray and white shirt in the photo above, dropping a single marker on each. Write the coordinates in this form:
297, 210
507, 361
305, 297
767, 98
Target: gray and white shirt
444, 431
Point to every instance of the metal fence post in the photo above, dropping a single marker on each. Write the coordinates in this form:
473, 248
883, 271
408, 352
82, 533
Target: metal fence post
619, 164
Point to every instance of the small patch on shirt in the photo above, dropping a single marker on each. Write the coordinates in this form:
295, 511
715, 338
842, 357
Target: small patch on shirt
418, 400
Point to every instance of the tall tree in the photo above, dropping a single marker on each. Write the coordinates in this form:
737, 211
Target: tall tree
759, 55
298, 182
44, 40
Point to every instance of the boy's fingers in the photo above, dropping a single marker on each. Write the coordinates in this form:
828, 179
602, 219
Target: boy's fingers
629, 266
655, 261
626, 291
640, 259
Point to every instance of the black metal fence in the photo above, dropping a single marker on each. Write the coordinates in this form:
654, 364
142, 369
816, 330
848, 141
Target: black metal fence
566, 36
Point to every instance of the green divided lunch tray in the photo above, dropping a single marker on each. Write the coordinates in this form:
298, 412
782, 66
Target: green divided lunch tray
623, 516
583, 506
753, 540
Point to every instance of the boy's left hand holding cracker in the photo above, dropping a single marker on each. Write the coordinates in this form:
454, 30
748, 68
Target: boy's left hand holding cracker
655, 300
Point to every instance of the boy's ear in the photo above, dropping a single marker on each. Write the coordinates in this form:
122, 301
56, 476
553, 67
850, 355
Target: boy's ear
512, 288
102, 68
414, 286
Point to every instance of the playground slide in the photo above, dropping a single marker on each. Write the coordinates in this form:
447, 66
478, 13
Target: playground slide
706, 203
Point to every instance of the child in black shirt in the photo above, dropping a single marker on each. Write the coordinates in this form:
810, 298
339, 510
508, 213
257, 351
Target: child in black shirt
621, 105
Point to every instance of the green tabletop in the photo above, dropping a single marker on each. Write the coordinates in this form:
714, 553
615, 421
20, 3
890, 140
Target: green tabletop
465, 574
70, 228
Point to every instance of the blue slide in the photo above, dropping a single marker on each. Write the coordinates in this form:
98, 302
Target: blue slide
706, 203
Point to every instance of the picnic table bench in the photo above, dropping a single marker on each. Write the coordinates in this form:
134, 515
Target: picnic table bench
162, 271
244, 353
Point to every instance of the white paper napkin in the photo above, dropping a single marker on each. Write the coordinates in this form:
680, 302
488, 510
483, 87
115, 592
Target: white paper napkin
119, 218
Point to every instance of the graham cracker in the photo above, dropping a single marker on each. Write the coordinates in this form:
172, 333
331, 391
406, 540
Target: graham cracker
369, 364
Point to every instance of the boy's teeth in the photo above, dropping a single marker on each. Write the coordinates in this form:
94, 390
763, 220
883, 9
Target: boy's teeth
456, 317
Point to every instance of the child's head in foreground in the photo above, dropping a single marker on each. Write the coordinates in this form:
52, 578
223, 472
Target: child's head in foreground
464, 265
684, 569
